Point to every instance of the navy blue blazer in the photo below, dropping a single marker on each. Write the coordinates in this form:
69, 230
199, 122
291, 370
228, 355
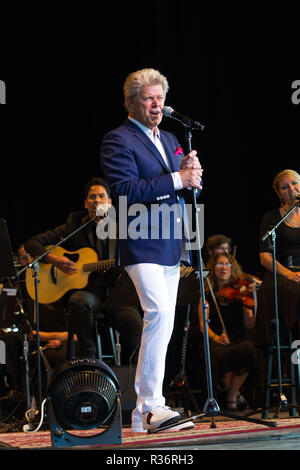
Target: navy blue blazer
135, 170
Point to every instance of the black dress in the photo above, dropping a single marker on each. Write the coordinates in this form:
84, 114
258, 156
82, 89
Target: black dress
287, 247
240, 356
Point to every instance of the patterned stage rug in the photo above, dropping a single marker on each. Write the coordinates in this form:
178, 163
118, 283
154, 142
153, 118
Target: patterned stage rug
202, 432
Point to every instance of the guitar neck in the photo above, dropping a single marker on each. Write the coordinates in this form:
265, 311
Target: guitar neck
99, 265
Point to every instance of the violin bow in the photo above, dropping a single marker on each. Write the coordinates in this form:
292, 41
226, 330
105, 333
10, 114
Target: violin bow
216, 305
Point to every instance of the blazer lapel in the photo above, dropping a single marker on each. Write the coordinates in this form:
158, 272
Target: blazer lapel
168, 147
147, 142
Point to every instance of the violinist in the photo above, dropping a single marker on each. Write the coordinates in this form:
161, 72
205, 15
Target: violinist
231, 320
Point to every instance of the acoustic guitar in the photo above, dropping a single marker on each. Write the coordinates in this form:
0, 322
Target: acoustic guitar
54, 283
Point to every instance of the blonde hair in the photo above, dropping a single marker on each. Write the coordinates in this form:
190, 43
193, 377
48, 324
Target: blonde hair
281, 174
140, 78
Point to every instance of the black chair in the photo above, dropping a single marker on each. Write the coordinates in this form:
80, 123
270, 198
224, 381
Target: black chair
101, 326
288, 379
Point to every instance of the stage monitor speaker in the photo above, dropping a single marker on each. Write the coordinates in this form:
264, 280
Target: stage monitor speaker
84, 394
126, 376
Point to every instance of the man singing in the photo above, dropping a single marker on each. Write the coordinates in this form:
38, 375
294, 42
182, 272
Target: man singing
147, 166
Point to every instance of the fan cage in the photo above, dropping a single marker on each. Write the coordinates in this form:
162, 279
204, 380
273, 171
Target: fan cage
84, 398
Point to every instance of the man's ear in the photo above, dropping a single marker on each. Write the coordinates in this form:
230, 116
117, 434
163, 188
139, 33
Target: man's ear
128, 105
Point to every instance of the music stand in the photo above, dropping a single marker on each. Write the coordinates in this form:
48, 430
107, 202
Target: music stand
188, 288
8, 301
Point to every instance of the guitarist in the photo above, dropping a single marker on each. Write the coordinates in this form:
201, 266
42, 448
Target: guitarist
82, 304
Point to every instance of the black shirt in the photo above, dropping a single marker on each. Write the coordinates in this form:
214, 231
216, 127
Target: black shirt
287, 238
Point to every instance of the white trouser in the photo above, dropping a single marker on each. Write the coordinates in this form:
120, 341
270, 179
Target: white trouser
157, 288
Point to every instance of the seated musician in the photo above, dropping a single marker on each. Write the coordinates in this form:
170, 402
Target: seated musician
231, 320
83, 303
218, 243
53, 340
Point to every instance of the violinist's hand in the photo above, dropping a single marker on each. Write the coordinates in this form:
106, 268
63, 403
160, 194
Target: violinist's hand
53, 344
222, 339
294, 276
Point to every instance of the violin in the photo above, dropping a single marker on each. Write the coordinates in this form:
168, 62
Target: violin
240, 290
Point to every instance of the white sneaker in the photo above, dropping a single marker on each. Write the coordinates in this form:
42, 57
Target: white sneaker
159, 416
179, 427
137, 427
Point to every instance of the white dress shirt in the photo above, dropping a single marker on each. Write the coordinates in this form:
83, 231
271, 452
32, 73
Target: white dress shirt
155, 139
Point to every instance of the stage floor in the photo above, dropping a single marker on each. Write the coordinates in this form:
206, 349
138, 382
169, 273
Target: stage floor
229, 434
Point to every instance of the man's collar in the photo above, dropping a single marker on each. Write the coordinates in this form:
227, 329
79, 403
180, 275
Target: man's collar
145, 129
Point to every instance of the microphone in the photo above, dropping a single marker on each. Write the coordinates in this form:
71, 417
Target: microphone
186, 121
102, 209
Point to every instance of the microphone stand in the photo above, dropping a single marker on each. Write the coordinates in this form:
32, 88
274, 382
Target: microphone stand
271, 234
211, 407
34, 265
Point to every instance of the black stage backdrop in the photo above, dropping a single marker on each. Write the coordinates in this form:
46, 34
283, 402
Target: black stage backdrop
229, 66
